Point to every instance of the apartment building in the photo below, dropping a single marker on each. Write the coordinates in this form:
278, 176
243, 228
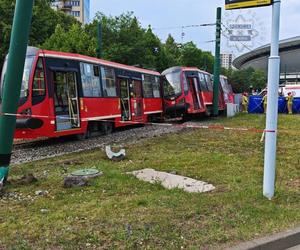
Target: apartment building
226, 60
80, 9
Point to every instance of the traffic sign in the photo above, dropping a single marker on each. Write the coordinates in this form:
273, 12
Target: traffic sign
238, 4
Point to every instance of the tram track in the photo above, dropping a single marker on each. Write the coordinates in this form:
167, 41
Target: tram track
49, 148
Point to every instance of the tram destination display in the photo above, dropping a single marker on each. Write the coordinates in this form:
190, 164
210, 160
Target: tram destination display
238, 4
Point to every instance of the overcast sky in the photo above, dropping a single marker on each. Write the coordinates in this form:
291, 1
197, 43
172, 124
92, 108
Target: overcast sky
163, 15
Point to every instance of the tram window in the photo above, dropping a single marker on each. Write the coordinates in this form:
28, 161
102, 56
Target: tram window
90, 80
136, 89
39, 86
156, 87
203, 86
209, 82
185, 85
108, 82
147, 86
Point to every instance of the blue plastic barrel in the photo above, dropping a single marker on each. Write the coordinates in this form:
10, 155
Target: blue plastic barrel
282, 105
296, 105
255, 105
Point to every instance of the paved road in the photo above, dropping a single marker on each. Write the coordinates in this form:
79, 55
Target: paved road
294, 248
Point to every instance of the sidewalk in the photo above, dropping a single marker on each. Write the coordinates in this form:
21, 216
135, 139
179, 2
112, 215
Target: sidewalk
288, 240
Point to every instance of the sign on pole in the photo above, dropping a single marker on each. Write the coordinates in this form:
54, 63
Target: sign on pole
238, 4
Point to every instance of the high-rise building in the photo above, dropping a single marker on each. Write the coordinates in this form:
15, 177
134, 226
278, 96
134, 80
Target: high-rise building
226, 60
80, 9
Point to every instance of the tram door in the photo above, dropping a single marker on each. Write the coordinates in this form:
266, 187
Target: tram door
221, 97
195, 91
125, 99
66, 102
136, 100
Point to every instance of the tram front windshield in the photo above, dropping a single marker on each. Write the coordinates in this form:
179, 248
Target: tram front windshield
172, 84
25, 79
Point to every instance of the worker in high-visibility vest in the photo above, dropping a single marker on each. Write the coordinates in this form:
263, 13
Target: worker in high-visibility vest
289, 100
245, 102
265, 102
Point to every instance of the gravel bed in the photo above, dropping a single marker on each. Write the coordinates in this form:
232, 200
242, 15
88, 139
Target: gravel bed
61, 146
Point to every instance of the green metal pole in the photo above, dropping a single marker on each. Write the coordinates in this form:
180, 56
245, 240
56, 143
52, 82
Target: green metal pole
12, 82
99, 39
217, 63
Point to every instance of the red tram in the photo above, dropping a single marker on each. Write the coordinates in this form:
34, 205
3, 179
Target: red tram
187, 91
70, 94
227, 90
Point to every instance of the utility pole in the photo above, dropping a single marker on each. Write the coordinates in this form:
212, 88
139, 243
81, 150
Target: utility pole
12, 82
272, 107
99, 34
217, 63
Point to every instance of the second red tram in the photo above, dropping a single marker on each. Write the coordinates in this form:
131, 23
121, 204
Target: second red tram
70, 94
187, 91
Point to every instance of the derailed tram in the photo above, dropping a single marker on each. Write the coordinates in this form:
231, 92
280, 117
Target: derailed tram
70, 94
188, 91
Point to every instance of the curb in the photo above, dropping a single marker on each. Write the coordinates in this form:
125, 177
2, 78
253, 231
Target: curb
280, 241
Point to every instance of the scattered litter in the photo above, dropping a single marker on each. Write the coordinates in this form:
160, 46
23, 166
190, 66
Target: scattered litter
41, 192
171, 181
43, 210
115, 156
80, 178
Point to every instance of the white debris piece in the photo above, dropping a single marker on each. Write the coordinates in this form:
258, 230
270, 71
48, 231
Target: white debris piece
118, 156
171, 181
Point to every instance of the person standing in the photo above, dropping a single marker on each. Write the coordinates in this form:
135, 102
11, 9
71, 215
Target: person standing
265, 102
245, 102
289, 100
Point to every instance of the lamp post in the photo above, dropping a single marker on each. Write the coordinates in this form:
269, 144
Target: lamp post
12, 82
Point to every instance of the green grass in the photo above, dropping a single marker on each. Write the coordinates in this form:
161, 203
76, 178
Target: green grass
117, 211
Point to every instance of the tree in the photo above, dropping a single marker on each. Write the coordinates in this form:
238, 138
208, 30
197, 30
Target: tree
192, 56
244, 79
76, 40
44, 21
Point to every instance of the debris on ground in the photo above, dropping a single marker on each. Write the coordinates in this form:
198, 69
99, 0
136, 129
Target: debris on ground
115, 156
25, 180
44, 210
80, 178
41, 192
171, 181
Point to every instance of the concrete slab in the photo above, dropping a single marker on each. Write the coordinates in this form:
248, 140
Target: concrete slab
171, 181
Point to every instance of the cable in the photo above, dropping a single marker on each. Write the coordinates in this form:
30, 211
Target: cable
186, 26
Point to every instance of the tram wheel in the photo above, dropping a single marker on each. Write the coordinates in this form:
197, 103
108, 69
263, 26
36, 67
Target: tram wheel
85, 135
107, 127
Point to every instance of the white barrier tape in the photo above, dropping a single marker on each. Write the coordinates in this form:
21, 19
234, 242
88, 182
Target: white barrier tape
211, 127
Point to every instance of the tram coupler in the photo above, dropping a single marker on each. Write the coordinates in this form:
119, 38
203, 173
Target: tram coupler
31, 123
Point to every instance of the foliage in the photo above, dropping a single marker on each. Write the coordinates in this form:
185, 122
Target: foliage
76, 40
44, 21
192, 56
125, 41
245, 79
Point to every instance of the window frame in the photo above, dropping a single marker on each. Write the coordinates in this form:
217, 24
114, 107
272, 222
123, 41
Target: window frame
36, 99
117, 94
99, 78
143, 86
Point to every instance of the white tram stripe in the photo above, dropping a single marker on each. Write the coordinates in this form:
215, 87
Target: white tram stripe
153, 112
100, 118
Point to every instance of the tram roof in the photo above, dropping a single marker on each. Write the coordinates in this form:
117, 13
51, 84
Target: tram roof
179, 68
78, 57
